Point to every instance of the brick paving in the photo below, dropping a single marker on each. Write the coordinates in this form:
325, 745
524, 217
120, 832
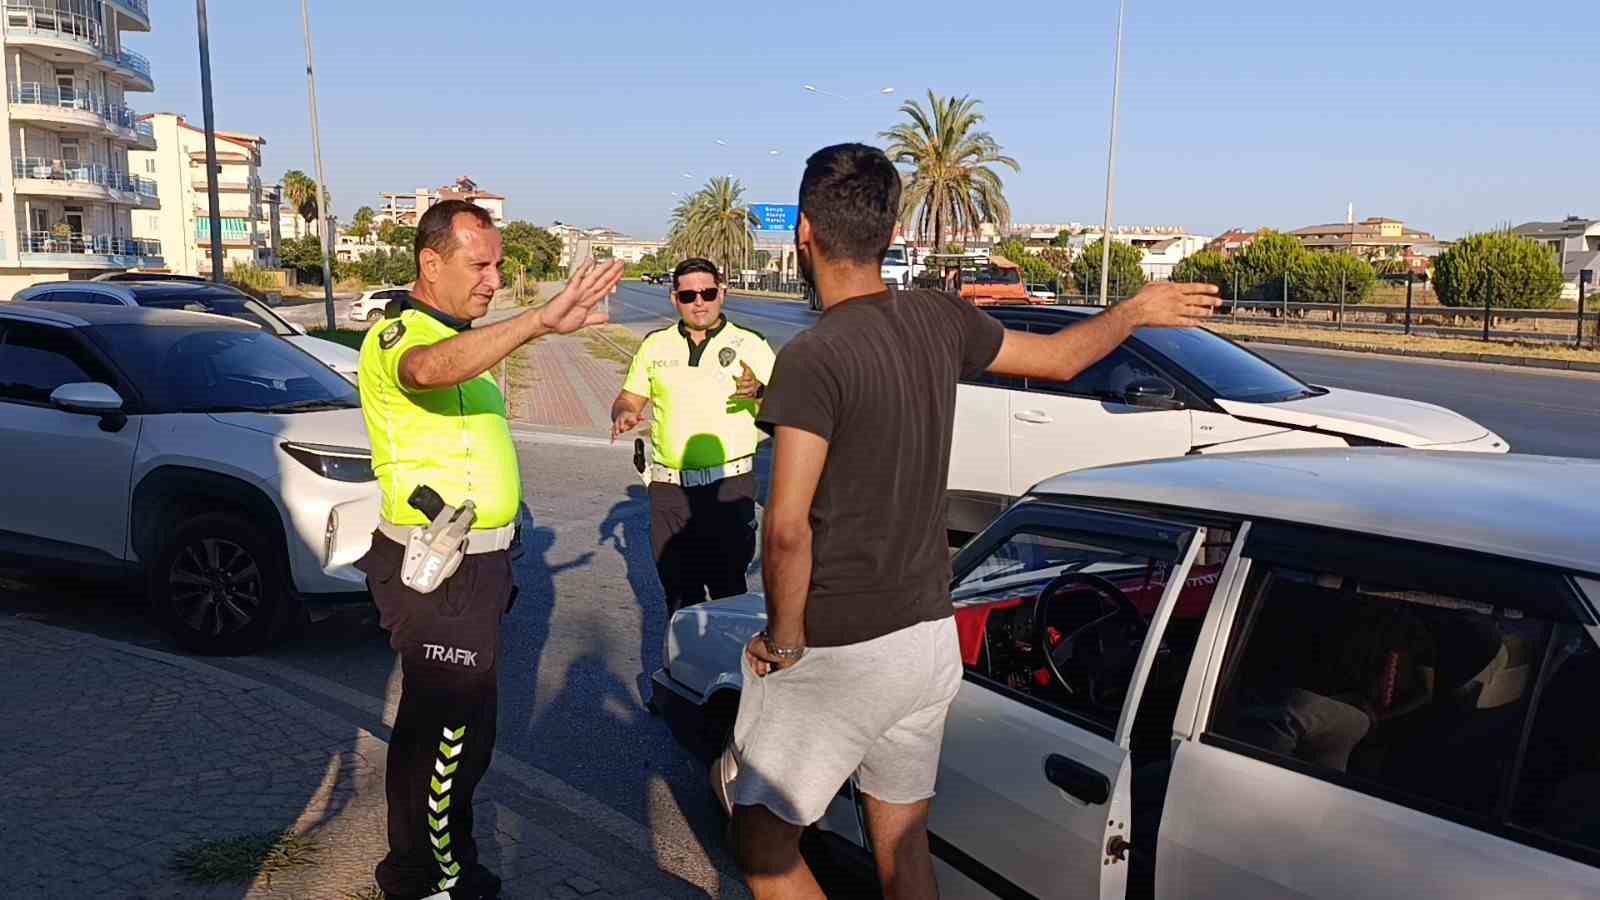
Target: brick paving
556, 383
117, 756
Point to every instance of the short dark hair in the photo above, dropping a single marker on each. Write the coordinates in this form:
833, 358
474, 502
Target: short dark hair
695, 264
850, 194
436, 229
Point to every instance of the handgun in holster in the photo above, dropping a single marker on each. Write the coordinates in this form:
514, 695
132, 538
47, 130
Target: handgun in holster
641, 461
435, 550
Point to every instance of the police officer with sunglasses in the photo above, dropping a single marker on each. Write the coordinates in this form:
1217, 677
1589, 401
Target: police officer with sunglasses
704, 377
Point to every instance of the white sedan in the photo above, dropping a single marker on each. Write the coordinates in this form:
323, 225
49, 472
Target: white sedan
1163, 393
1343, 674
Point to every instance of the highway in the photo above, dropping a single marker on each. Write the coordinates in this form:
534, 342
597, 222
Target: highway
1553, 413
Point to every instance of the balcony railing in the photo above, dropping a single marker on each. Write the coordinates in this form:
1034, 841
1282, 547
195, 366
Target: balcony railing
142, 7
89, 245
138, 62
42, 18
42, 169
32, 93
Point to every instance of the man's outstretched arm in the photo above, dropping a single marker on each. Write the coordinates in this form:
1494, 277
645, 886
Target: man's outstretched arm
1061, 356
471, 353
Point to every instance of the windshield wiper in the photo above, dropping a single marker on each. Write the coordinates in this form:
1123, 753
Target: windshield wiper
311, 405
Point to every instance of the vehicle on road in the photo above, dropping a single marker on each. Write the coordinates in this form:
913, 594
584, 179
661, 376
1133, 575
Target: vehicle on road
197, 295
656, 278
224, 469
1042, 292
984, 279
1354, 673
901, 265
1163, 393
370, 305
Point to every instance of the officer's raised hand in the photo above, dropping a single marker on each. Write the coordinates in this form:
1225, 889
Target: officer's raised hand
574, 307
746, 387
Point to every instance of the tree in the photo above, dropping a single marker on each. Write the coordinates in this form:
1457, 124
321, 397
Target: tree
1319, 277
361, 225
1206, 267
1058, 259
301, 192
951, 183
1126, 276
714, 223
394, 235
304, 255
1263, 265
388, 266
763, 259
1062, 240
1525, 273
539, 249
1034, 269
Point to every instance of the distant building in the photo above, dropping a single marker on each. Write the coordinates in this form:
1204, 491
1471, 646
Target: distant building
406, 209
1231, 242
1163, 246
1575, 241
601, 241
183, 224
1371, 239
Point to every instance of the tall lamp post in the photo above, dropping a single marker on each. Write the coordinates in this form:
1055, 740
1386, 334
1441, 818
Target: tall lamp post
1111, 157
211, 141
322, 179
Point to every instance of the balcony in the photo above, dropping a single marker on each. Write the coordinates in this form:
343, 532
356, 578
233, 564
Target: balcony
36, 176
38, 23
135, 68
135, 13
88, 251
55, 107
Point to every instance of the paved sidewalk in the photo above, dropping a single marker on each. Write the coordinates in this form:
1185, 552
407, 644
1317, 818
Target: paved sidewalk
558, 382
117, 756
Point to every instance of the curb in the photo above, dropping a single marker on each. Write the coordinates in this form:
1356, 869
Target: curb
1497, 359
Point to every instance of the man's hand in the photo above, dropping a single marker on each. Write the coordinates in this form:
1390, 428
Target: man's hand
746, 387
762, 660
574, 307
1169, 304
626, 421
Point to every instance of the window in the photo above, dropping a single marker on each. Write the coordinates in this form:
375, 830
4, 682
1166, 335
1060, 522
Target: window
1006, 382
75, 297
150, 168
1108, 379
1405, 671
1230, 371
35, 360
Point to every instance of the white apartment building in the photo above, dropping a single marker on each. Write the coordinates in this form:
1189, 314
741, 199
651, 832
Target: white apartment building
70, 192
619, 245
1163, 246
183, 224
406, 209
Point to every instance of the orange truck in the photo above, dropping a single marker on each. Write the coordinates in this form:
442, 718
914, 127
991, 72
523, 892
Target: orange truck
985, 280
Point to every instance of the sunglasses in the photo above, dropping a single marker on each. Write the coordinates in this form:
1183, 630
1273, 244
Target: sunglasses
709, 295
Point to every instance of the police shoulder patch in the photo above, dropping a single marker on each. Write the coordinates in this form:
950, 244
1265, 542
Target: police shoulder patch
392, 335
726, 356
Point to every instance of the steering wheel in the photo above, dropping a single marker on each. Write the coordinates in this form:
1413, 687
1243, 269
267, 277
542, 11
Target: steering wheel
1091, 661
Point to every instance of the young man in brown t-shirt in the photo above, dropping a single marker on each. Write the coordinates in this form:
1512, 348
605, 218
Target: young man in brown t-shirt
860, 662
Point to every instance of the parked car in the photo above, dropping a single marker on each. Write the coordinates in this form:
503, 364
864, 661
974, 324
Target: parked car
196, 295
224, 468
1346, 674
370, 305
1163, 393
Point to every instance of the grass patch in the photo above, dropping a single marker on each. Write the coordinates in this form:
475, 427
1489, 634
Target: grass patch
243, 858
612, 342
351, 339
1352, 340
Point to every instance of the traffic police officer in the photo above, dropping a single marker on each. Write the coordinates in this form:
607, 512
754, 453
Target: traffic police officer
704, 376
437, 419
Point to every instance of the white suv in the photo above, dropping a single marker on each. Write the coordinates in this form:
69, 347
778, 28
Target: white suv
1163, 393
223, 466
370, 305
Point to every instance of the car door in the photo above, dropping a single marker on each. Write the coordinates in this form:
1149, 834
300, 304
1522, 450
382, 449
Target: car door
1382, 719
65, 475
980, 450
1121, 409
1034, 787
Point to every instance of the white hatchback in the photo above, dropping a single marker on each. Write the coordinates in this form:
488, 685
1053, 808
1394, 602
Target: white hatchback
224, 467
1163, 393
370, 305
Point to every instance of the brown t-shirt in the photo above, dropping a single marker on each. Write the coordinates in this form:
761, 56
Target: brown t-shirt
877, 378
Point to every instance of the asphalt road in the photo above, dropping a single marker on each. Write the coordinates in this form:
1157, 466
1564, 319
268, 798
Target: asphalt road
1538, 412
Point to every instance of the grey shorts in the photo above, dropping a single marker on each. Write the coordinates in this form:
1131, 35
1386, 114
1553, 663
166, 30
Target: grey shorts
875, 710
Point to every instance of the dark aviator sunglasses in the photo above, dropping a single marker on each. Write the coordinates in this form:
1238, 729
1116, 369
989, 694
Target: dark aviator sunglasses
709, 295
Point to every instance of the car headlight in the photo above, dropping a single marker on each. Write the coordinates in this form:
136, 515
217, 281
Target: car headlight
334, 463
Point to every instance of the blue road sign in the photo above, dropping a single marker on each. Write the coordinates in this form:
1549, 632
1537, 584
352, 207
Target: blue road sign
776, 216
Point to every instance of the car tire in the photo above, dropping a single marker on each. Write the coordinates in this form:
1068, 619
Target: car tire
218, 587
374, 315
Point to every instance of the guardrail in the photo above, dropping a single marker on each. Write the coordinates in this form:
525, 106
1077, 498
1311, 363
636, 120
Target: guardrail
1454, 321
89, 245
138, 62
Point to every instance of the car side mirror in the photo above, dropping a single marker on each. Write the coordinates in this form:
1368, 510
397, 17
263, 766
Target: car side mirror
89, 397
1153, 393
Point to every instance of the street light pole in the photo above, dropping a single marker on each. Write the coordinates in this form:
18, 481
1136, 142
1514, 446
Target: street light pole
211, 142
322, 179
1111, 157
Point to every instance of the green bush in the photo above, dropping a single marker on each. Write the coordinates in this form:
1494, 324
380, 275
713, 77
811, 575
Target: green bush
1126, 276
1206, 267
388, 266
1525, 272
252, 277
1318, 278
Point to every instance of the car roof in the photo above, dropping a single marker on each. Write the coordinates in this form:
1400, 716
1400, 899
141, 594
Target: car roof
88, 315
1537, 508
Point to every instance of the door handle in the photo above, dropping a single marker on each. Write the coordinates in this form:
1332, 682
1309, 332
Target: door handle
1077, 779
1033, 417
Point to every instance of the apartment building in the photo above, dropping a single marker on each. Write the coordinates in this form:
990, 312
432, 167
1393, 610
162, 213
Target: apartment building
406, 209
183, 223
576, 240
1372, 239
70, 190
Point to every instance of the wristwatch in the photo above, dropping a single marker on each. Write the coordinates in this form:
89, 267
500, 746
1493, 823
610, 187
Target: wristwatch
787, 654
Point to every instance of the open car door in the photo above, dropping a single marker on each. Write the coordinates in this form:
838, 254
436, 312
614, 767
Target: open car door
1061, 612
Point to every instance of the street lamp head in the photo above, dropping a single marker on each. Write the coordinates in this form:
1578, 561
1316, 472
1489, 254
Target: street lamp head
810, 87
888, 90
772, 152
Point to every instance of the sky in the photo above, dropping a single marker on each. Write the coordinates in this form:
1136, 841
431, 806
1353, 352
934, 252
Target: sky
1453, 116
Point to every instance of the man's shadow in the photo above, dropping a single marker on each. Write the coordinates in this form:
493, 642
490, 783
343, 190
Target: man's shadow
627, 528
528, 622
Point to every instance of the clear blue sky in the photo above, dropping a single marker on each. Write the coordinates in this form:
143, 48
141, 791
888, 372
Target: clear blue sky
1451, 115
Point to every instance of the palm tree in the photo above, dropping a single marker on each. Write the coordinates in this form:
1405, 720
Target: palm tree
714, 223
950, 183
301, 192
361, 223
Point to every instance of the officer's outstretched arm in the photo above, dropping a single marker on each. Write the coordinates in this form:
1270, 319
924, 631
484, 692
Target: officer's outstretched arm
471, 353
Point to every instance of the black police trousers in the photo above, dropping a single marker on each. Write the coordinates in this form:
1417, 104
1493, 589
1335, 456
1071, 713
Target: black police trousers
703, 538
444, 732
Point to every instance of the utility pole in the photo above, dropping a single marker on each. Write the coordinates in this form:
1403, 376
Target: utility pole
1111, 157
322, 178
211, 142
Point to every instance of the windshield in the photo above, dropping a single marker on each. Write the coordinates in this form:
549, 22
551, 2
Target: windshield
1230, 371
220, 303
896, 256
182, 369
997, 276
